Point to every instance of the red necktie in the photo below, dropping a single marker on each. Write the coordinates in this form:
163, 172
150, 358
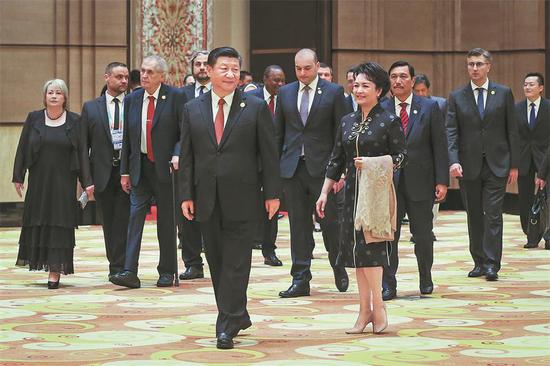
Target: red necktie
404, 116
149, 126
218, 122
271, 105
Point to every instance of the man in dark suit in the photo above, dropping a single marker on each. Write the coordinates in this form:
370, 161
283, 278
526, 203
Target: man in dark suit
483, 152
225, 136
350, 100
425, 177
533, 114
307, 118
274, 78
189, 231
150, 143
101, 129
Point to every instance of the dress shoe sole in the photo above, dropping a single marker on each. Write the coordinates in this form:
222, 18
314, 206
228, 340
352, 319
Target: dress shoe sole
531, 246
165, 284
224, 345
272, 264
288, 296
185, 278
115, 281
476, 274
491, 277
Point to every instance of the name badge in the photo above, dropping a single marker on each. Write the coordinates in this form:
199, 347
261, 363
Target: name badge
116, 136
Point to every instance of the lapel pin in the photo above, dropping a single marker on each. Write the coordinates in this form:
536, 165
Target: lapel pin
242, 104
163, 97
319, 91
492, 92
415, 111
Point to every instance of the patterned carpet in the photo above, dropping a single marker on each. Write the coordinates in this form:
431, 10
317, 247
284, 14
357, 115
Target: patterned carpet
466, 321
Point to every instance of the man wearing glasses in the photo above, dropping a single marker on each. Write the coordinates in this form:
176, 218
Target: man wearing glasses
483, 154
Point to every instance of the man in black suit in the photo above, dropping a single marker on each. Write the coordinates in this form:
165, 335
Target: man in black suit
483, 152
101, 129
189, 231
533, 115
274, 78
425, 177
307, 118
150, 143
225, 137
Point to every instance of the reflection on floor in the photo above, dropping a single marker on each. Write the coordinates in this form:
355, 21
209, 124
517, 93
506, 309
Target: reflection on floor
467, 321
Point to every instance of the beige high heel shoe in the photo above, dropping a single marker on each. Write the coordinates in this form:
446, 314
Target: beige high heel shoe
379, 329
361, 328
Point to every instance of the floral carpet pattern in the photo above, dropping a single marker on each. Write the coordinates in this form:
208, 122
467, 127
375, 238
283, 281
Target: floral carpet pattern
467, 321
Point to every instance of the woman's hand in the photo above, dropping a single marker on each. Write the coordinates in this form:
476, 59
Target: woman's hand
320, 205
359, 162
19, 188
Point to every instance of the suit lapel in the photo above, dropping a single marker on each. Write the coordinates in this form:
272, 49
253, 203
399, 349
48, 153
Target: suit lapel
470, 99
206, 111
541, 115
317, 96
40, 124
414, 115
491, 99
161, 102
135, 113
101, 105
294, 103
237, 106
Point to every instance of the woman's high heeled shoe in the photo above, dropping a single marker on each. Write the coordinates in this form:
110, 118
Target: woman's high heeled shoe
53, 285
360, 329
379, 329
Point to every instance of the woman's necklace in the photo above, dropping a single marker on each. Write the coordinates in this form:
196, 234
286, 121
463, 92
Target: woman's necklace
54, 118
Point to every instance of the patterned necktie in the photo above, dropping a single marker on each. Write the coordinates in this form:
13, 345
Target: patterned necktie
404, 116
149, 127
271, 105
532, 116
304, 104
480, 102
218, 122
116, 118
201, 90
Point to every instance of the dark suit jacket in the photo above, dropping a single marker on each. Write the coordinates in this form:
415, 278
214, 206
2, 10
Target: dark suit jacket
442, 103
349, 104
258, 93
533, 143
228, 172
189, 91
317, 136
29, 147
428, 160
471, 137
165, 132
96, 135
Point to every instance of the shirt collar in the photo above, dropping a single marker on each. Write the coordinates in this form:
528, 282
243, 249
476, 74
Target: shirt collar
485, 86
228, 98
267, 95
207, 87
312, 85
537, 102
109, 98
408, 101
155, 94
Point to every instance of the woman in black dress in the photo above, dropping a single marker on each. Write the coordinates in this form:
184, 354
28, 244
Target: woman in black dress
49, 148
369, 132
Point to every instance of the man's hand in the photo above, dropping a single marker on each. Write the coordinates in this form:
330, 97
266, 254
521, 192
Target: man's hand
539, 183
271, 206
440, 192
90, 191
125, 183
188, 209
19, 188
456, 170
513, 176
338, 186
320, 205
175, 162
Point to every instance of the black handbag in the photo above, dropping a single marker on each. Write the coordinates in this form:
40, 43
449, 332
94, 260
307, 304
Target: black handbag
539, 218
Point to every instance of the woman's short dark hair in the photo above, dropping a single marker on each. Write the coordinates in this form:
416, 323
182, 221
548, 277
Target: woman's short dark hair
223, 52
376, 74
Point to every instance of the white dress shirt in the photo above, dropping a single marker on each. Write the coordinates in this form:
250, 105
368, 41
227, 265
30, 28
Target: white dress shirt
144, 117
537, 105
226, 107
198, 86
111, 109
312, 91
267, 96
485, 87
398, 107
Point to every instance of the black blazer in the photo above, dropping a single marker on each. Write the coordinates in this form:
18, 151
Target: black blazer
258, 93
426, 141
533, 143
96, 134
165, 132
189, 91
495, 136
29, 146
349, 104
317, 136
228, 172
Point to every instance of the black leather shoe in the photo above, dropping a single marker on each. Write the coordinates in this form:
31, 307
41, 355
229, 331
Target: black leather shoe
426, 290
547, 244
476, 272
491, 275
224, 341
272, 260
296, 290
191, 273
389, 294
165, 280
412, 240
53, 285
531, 245
126, 279
341, 278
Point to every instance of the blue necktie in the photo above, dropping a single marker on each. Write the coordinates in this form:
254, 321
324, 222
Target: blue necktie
480, 104
532, 116
304, 104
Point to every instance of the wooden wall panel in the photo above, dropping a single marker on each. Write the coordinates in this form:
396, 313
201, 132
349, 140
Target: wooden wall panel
27, 22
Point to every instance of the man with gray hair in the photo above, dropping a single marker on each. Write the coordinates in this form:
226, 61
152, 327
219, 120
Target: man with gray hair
150, 142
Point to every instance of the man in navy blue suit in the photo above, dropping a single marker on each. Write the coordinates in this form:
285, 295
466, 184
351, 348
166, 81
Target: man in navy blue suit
151, 141
425, 177
306, 120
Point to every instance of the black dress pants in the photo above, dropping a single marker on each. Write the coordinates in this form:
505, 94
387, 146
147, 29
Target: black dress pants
189, 235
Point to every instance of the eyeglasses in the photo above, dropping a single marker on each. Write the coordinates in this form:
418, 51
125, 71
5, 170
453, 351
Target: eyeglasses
476, 64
